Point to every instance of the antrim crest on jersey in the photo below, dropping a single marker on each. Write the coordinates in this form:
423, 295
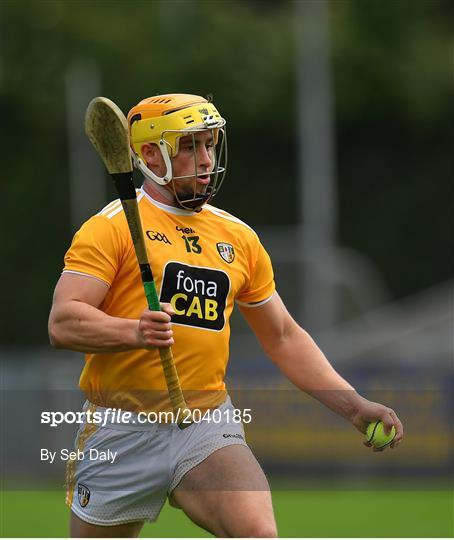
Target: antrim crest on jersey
226, 251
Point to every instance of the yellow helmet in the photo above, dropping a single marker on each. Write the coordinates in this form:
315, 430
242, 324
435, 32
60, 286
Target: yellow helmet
163, 120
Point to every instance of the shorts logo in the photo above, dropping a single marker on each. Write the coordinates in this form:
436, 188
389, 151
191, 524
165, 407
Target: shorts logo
226, 251
198, 295
83, 494
160, 237
235, 436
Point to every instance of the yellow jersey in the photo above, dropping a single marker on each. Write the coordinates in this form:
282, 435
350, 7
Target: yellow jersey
203, 262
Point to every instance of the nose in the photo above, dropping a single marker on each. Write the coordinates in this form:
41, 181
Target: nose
204, 158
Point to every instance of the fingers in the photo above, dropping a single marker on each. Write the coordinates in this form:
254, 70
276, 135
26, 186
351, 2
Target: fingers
155, 328
399, 430
167, 308
158, 316
369, 445
151, 336
390, 420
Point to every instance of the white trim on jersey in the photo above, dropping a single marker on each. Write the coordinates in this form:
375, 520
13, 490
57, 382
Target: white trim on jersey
86, 275
114, 212
165, 207
226, 215
255, 304
114, 207
109, 207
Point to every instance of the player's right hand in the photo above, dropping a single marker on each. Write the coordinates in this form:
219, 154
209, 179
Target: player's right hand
155, 329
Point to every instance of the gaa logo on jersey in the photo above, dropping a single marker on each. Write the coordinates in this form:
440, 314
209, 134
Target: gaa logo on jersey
198, 295
226, 251
83, 494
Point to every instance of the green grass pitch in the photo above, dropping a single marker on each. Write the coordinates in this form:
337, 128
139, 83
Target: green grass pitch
308, 513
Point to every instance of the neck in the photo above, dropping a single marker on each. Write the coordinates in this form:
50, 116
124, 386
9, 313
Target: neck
159, 193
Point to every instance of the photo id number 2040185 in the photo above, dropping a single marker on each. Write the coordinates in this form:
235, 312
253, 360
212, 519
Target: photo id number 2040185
230, 416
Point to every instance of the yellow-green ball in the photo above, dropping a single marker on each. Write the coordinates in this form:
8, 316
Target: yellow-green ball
375, 435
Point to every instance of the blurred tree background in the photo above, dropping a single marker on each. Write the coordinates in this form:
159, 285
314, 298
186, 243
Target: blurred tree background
392, 76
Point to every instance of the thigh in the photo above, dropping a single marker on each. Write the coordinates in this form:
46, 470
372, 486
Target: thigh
228, 495
82, 529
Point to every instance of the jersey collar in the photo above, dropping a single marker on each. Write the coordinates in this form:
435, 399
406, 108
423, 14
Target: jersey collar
166, 207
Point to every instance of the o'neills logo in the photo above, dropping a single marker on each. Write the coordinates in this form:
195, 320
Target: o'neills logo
83, 494
226, 251
198, 295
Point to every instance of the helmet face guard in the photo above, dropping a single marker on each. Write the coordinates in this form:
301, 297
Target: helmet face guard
195, 115
216, 174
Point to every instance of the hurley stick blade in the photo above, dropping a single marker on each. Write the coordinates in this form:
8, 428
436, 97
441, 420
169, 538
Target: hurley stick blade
107, 129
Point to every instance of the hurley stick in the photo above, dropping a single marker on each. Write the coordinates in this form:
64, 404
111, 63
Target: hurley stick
107, 128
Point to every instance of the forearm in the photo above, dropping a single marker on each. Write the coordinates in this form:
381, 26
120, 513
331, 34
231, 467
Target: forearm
305, 365
81, 327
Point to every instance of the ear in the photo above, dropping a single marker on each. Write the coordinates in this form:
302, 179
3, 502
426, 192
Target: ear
151, 154
153, 158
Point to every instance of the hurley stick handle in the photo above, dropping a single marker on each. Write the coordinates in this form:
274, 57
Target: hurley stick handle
128, 197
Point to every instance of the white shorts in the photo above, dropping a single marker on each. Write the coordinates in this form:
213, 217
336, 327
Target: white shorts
124, 472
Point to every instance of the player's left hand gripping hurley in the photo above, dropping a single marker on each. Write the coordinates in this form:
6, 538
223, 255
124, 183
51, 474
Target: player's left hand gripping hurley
107, 128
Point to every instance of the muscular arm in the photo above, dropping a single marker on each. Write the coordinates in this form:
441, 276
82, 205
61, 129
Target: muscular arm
77, 323
303, 363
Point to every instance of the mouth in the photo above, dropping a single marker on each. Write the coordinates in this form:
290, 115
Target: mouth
203, 179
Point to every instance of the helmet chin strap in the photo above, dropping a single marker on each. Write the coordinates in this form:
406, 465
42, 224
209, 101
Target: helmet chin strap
194, 203
148, 173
